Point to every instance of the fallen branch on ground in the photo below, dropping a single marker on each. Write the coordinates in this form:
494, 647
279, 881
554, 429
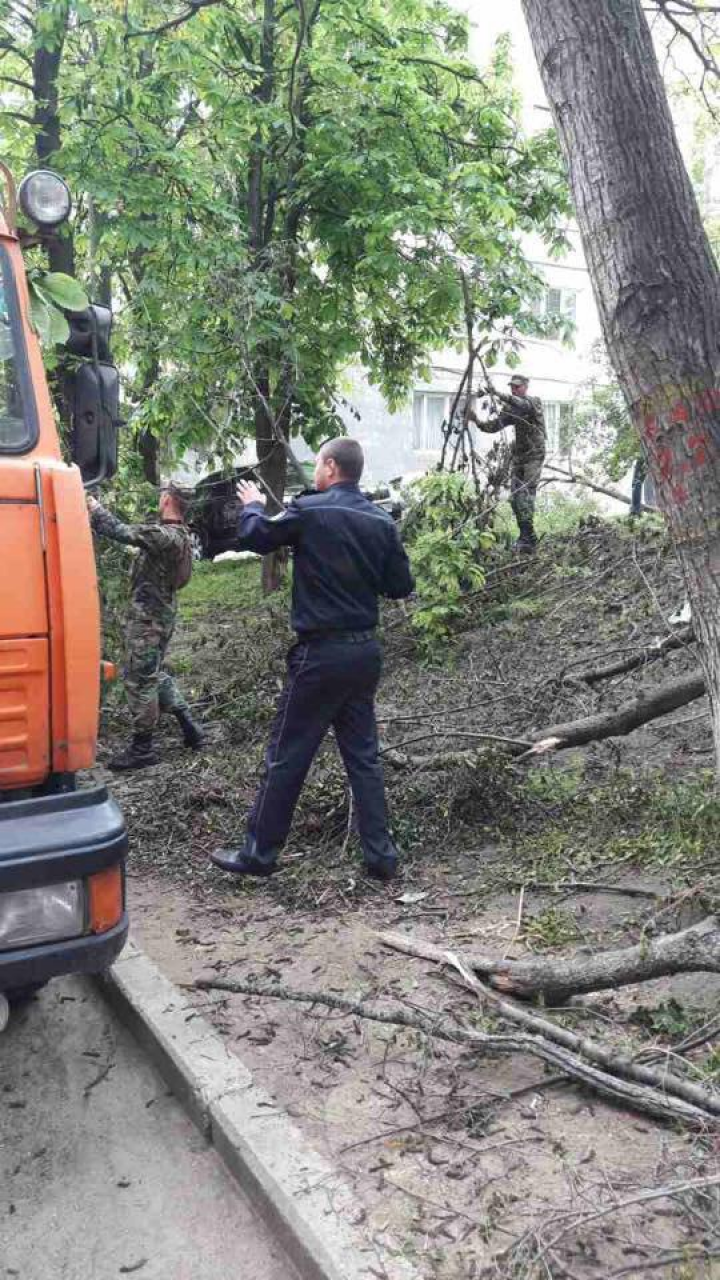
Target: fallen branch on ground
574, 733
693, 950
679, 640
571, 477
609, 1059
640, 1098
631, 715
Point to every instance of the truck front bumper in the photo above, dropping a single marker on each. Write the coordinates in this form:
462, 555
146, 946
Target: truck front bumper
54, 840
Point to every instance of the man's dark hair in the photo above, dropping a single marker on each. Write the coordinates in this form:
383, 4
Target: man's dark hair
347, 456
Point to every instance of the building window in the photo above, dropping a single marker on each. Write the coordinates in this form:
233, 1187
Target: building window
557, 302
558, 426
430, 412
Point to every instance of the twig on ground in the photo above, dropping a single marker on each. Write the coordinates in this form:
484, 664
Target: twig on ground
518, 924
584, 886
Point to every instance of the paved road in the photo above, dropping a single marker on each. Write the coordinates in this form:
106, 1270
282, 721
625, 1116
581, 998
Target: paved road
101, 1173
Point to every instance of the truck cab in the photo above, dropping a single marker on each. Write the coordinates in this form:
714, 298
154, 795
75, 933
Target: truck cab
62, 839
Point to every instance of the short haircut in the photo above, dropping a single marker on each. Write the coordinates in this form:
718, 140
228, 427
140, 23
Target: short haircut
181, 497
347, 455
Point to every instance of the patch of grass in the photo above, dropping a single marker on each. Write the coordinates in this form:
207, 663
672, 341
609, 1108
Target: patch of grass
668, 1019
515, 610
555, 785
556, 513
646, 821
228, 587
550, 928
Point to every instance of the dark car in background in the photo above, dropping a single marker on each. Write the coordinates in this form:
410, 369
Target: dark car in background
213, 517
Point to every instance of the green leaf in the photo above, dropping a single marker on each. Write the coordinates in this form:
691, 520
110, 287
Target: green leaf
59, 327
64, 291
40, 319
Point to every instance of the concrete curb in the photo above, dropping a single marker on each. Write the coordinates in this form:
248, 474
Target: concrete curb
304, 1202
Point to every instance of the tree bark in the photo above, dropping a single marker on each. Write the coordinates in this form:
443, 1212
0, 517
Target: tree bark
693, 950
631, 715
654, 276
46, 122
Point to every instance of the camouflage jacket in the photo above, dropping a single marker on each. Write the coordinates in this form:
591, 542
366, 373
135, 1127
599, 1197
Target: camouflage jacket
525, 414
155, 572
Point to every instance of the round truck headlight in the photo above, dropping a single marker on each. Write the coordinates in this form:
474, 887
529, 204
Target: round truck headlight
45, 197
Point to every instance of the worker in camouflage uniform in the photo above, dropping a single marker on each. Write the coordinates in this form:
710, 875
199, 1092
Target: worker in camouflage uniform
162, 567
525, 414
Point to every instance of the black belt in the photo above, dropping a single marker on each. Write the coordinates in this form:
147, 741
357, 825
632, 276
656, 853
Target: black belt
349, 637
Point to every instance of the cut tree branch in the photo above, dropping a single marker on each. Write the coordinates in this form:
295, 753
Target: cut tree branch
631, 715
573, 733
609, 491
693, 950
609, 1059
641, 1098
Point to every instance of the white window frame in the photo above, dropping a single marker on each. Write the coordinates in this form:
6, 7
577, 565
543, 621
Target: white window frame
558, 413
421, 426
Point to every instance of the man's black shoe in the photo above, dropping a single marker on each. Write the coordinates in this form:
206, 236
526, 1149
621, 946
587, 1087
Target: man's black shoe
384, 871
241, 863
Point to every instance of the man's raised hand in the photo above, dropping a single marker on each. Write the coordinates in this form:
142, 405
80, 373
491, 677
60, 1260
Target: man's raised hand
248, 492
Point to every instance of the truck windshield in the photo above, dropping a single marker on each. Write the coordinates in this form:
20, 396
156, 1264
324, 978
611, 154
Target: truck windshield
16, 433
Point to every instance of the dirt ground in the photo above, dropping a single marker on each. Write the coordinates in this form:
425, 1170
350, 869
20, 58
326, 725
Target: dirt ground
470, 1166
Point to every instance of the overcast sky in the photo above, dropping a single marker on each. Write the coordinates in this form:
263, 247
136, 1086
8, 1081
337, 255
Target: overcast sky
492, 18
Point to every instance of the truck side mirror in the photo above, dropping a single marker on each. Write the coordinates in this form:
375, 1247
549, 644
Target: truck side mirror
92, 393
91, 388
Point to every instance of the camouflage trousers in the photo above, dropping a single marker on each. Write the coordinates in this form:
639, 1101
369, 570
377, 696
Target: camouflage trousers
523, 487
149, 689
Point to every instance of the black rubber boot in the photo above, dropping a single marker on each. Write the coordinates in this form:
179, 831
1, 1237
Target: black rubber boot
193, 735
527, 541
138, 755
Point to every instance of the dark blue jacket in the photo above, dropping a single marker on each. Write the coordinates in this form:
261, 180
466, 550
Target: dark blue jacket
347, 553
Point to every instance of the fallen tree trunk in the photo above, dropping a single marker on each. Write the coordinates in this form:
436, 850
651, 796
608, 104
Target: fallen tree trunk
631, 715
693, 950
573, 733
650, 1101
609, 1059
651, 653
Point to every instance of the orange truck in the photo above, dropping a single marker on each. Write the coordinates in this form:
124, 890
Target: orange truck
62, 838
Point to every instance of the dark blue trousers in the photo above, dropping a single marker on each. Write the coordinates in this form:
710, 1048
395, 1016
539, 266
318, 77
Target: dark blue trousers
330, 683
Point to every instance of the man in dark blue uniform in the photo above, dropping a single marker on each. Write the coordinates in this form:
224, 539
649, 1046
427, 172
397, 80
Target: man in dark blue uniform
347, 553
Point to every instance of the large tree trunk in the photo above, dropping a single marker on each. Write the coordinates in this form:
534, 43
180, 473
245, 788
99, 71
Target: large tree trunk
655, 280
46, 120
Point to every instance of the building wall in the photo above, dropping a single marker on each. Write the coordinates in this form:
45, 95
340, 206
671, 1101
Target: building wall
408, 441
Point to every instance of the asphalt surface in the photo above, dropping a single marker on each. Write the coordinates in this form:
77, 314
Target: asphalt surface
101, 1173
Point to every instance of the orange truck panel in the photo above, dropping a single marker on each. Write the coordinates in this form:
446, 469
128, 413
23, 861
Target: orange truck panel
74, 620
24, 719
23, 607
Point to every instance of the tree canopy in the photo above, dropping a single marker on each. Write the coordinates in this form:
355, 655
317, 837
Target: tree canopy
271, 191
